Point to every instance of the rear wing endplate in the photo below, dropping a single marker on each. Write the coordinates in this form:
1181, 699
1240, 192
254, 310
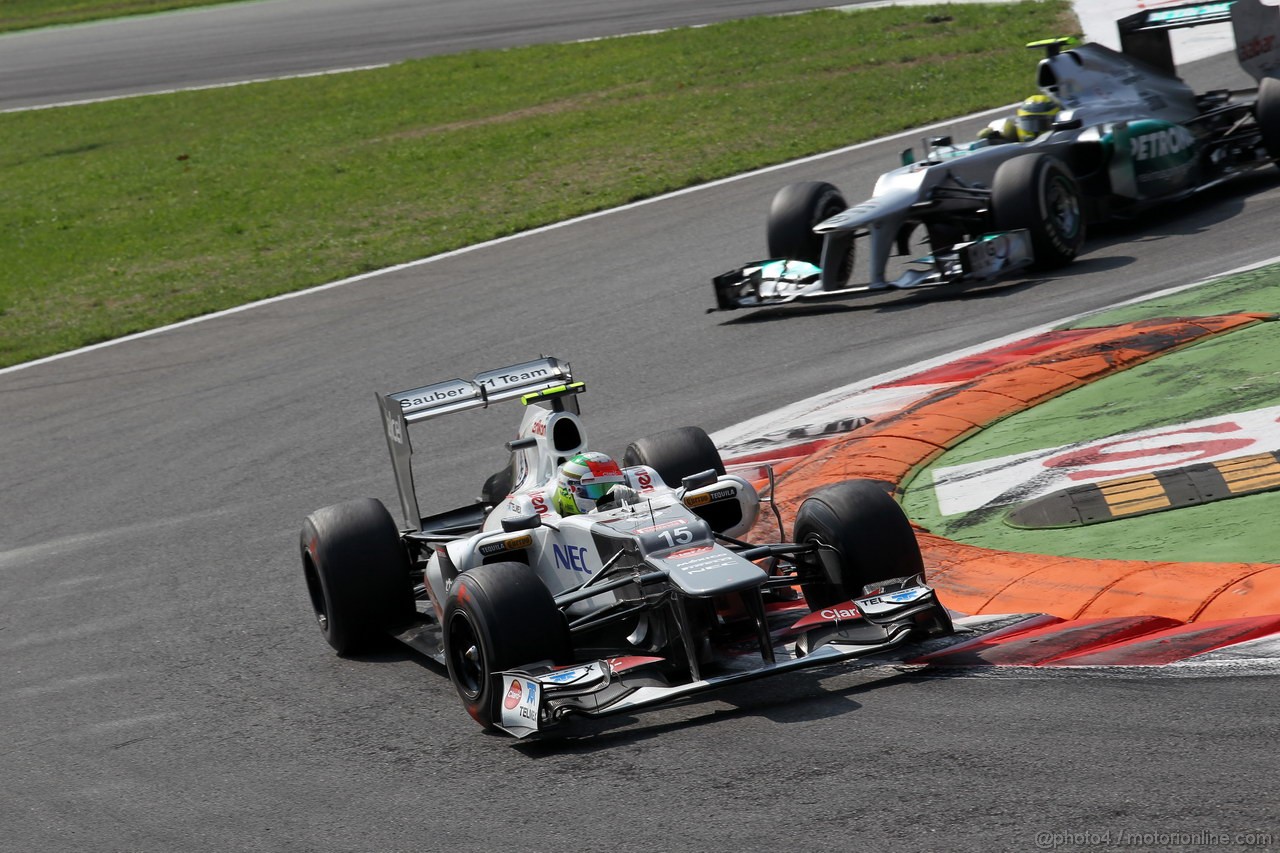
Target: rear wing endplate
403, 408
1256, 26
1145, 35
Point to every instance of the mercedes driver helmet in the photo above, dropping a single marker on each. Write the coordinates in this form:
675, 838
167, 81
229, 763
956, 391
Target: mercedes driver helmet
1035, 116
583, 480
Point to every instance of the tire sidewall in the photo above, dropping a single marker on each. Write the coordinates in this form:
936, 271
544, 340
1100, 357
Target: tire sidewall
513, 621
1054, 181
818, 523
357, 573
871, 536
1267, 116
1023, 195
470, 612
795, 210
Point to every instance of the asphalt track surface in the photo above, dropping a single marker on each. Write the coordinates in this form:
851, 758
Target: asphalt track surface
272, 38
164, 690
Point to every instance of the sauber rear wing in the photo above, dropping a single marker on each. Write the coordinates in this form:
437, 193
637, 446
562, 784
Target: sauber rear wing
1145, 35
457, 395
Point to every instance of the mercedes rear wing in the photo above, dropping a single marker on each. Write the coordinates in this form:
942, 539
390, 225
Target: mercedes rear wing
524, 381
1145, 35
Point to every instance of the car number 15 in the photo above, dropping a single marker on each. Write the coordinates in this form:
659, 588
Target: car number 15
679, 536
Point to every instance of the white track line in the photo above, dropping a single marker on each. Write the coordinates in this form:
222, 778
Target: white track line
886, 377
877, 4
906, 134
587, 217
203, 88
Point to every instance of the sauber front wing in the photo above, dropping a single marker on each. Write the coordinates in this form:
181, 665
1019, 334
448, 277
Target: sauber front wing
534, 700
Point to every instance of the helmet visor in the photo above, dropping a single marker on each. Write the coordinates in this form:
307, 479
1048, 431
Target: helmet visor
1031, 125
596, 488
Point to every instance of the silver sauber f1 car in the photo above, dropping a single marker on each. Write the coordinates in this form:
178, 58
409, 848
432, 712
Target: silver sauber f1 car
1126, 133
577, 585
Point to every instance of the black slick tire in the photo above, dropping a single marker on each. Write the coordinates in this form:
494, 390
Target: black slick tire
1038, 192
795, 210
675, 454
867, 537
498, 617
1266, 113
357, 573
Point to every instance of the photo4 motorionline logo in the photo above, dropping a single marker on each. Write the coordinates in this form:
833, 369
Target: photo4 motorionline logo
1146, 840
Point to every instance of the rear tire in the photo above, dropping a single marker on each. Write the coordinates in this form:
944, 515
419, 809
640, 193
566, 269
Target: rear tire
496, 487
869, 536
1038, 192
675, 454
357, 573
795, 210
498, 617
1266, 113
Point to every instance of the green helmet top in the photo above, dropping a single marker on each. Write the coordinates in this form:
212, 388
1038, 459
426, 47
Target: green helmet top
1035, 116
583, 480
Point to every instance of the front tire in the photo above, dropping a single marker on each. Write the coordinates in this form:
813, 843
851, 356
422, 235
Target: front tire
796, 209
1038, 192
867, 536
675, 454
499, 617
357, 573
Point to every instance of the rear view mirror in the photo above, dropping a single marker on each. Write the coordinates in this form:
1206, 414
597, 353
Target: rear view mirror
522, 522
702, 478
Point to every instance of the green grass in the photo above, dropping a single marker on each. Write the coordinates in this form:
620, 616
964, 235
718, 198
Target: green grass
121, 216
27, 14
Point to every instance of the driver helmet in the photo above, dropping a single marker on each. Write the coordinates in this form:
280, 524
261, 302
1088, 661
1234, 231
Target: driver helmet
1035, 116
583, 480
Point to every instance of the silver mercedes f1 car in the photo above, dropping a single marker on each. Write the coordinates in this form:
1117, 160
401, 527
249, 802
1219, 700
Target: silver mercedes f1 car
540, 612
1130, 135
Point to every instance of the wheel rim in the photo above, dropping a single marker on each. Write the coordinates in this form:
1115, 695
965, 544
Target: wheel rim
1064, 207
466, 656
